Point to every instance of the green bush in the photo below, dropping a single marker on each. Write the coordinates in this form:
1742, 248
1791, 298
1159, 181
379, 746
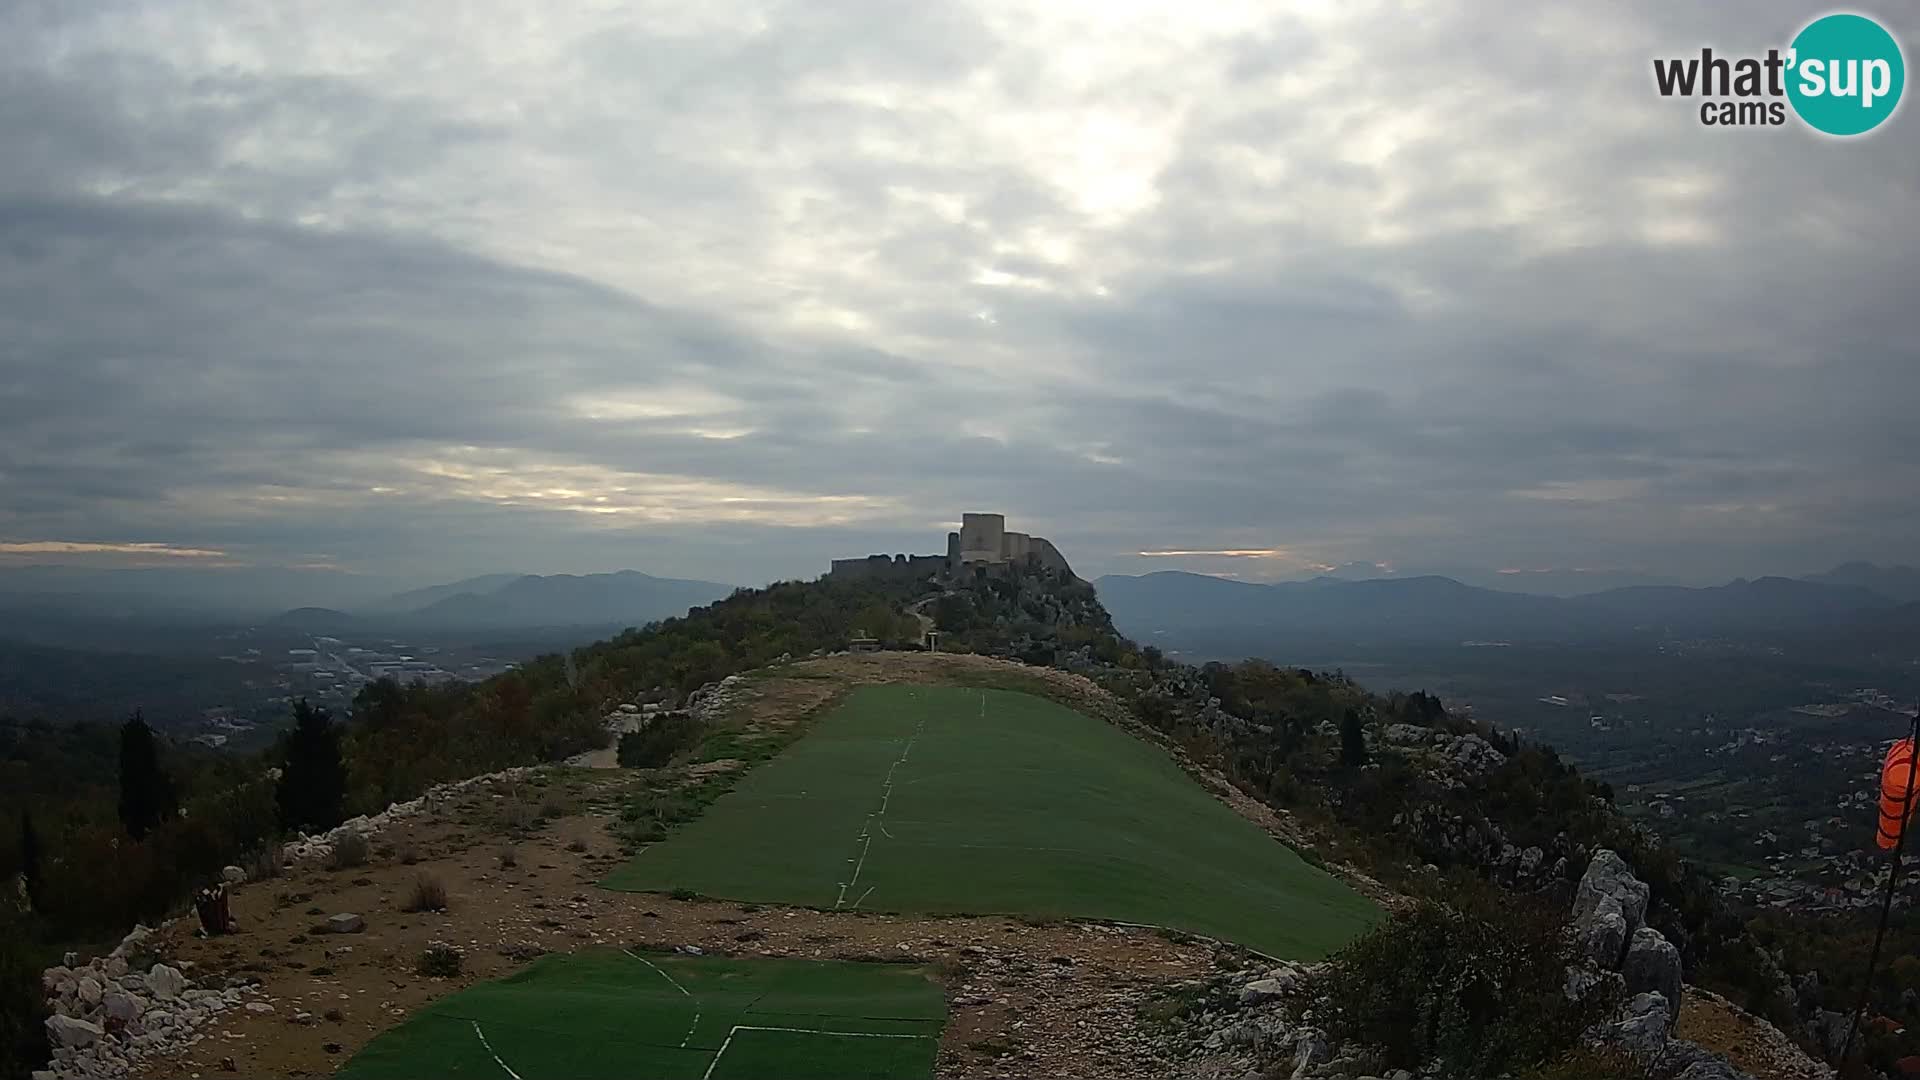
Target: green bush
657, 743
1475, 983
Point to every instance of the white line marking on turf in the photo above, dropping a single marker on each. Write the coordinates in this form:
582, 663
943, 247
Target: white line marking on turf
496, 1057
676, 985
866, 827
738, 1028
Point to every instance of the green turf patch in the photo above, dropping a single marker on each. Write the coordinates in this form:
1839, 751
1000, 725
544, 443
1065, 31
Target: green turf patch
617, 1015
962, 800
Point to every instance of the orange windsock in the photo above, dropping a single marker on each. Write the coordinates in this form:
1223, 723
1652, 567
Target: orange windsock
1896, 800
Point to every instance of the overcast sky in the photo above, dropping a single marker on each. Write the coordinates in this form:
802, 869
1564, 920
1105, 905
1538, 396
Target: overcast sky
721, 290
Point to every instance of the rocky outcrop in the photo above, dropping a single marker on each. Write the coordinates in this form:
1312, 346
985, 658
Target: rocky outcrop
1609, 884
1652, 964
1622, 954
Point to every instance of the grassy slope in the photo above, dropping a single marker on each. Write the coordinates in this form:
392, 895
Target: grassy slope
602, 1013
1027, 808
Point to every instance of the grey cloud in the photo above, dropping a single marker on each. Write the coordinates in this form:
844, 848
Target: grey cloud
1547, 318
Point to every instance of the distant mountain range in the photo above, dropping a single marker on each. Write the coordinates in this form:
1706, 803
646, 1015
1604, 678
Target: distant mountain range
520, 601
1900, 583
1434, 608
627, 598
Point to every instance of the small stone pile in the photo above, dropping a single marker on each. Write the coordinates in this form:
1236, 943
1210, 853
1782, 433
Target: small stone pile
108, 1016
715, 699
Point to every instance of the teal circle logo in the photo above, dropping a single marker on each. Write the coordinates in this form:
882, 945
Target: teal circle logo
1846, 74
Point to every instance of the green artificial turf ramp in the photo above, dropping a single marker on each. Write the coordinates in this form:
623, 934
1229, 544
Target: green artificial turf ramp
605, 1014
960, 800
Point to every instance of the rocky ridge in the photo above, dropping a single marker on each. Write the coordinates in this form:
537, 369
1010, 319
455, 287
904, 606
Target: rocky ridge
1264, 1021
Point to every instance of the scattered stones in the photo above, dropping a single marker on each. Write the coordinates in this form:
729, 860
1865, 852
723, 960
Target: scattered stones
107, 1019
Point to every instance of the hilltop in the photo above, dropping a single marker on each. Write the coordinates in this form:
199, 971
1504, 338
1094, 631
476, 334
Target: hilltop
1406, 803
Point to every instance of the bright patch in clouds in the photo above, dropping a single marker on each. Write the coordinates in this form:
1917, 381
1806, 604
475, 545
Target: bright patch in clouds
74, 547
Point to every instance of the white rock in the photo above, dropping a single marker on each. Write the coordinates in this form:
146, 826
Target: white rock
67, 1031
345, 923
233, 875
259, 1007
165, 983
89, 990
123, 1007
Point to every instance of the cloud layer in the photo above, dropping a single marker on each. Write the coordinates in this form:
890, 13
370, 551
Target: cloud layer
723, 291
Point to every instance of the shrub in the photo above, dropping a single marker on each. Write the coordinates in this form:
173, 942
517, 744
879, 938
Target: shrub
657, 743
349, 851
515, 816
1590, 1063
552, 807
408, 855
509, 858
429, 894
266, 864
23, 1008
438, 960
1475, 983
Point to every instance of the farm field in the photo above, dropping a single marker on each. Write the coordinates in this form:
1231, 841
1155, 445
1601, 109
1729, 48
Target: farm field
608, 1014
929, 799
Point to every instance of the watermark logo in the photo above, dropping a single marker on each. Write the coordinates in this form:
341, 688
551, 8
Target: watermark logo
1842, 75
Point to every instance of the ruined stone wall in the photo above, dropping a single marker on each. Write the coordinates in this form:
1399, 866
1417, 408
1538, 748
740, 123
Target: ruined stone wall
887, 568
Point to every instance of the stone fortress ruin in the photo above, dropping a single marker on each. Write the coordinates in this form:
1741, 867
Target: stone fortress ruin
982, 547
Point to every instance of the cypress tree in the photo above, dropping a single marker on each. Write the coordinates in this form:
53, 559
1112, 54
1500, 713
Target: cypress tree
313, 783
146, 795
1353, 742
29, 853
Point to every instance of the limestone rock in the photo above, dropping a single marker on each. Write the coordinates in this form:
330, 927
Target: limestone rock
1642, 1029
233, 875
1603, 939
123, 1007
1475, 755
1609, 876
165, 983
1652, 963
345, 923
1263, 990
71, 1031
1311, 1050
